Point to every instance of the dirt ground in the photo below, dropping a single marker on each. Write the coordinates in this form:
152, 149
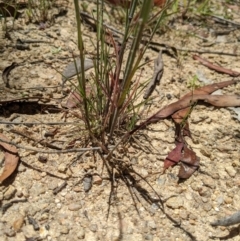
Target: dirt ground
47, 198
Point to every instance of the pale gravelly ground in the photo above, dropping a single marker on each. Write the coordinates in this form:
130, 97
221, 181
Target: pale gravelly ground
73, 214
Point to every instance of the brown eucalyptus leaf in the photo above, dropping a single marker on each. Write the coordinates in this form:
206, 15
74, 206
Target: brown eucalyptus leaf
190, 99
216, 100
174, 156
207, 89
11, 158
189, 163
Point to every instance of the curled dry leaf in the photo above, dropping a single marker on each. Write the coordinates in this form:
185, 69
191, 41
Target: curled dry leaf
190, 99
11, 158
189, 163
208, 89
216, 100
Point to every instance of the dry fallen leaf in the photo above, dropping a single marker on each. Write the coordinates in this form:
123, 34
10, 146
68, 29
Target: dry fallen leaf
208, 89
75, 68
174, 156
189, 163
11, 158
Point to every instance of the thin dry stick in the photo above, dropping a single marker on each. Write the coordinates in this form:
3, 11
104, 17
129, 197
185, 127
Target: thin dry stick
51, 152
157, 75
36, 123
152, 44
41, 141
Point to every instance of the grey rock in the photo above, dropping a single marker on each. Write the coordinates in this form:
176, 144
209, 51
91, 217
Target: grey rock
71, 69
227, 221
93, 227
148, 236
81, 233
87, 183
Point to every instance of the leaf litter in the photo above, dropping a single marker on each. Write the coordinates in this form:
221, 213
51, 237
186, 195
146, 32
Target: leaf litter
179, 112
11, 158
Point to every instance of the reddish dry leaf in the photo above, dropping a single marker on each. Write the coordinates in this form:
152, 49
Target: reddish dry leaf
217, 68
189, 163
216, 100
11, 158
186, 130
174, 156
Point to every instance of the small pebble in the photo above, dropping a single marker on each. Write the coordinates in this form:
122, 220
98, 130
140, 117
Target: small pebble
148, 237
62, 167
231, 171
42, 158
74, 206
43, 232
97, 180
93, 227
81, 233
151, 224
207, 207
87, 183
64, 230
228, 200
175, 202
10, 192
18, 223
209, 182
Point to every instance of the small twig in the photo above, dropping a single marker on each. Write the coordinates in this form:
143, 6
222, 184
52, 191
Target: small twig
223, 20
41, 170
217, 68
6, 206
33, 222
23, 41
52, 152
42, 142
163, 45
36, 123
58, 189
157, 75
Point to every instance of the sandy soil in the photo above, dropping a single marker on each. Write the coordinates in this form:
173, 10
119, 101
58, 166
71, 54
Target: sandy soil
47, 198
